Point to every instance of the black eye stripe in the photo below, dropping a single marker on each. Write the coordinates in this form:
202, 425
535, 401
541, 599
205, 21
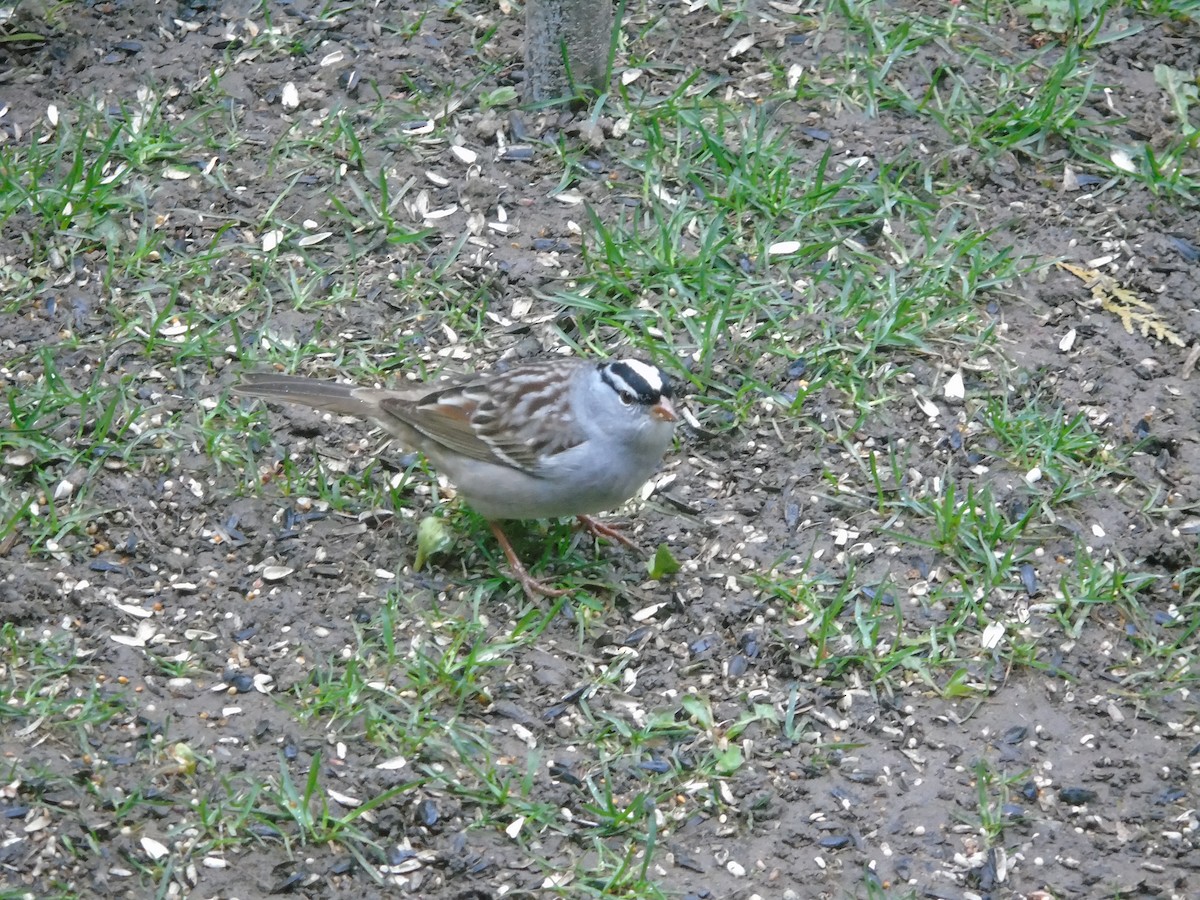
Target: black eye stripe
622, 377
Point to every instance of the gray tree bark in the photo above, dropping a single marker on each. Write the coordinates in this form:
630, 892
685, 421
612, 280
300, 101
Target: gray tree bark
578, 31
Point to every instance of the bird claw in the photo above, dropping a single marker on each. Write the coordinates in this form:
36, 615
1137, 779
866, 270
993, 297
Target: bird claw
533, 587
612, 532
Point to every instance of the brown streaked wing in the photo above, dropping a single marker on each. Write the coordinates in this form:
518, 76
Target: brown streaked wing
556, 432
479, 419
530, 393
448, 425
489, 420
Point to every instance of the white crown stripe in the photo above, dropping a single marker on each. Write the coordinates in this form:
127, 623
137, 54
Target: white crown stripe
643, 381
650, 374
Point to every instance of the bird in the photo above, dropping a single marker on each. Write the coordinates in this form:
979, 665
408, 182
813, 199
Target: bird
535, 439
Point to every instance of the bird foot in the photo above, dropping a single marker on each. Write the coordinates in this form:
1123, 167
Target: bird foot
612, 532
533, 587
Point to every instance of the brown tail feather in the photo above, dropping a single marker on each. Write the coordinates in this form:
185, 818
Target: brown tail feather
343, 399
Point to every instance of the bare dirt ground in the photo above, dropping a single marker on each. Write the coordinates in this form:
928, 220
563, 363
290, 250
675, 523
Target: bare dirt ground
1102, 771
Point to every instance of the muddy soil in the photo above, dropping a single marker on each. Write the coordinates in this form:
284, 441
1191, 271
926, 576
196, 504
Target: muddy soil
1102, 770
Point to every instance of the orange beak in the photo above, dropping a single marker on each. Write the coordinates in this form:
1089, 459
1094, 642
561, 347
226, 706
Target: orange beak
664, 411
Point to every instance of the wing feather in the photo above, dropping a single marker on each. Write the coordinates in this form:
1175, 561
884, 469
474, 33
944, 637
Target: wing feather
516, 418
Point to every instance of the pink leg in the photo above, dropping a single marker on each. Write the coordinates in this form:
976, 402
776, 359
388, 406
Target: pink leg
531, 585
599, 529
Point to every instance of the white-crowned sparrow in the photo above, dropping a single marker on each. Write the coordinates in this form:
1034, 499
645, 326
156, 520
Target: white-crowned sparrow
537, 439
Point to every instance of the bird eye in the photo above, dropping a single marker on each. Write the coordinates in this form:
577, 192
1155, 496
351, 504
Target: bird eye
626, 397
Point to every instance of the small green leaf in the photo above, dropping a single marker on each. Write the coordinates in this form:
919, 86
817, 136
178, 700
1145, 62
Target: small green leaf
21, 36
698, 709
432, 537
663, 564
1182, 90
185, 757
501, 96
729, 760
959, 685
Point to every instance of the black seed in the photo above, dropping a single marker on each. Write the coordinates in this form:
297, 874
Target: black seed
517, 127
657, 766
636, 636
1014, 735
562, 771
1029, 579
685, 860
1077, 796
1184, 248
1170, 795
242, 683
834, 842
427, 813
749, 644
702, 645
